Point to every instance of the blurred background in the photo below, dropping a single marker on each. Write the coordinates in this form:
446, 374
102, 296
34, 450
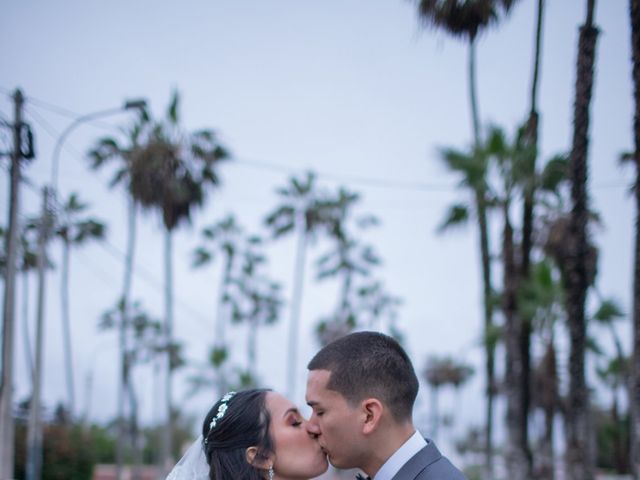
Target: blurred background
230, 185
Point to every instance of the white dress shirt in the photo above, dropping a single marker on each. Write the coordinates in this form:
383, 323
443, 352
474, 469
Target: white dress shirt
396, 461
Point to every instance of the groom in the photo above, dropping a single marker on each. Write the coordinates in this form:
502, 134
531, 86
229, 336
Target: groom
362, 388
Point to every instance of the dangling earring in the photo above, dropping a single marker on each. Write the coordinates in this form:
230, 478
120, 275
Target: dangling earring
271, 472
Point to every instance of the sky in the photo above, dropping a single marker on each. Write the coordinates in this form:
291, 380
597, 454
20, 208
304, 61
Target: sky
357, 91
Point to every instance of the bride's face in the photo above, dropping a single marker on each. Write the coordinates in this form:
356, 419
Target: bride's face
297, 454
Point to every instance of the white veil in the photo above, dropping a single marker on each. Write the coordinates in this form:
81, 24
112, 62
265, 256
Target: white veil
193, 465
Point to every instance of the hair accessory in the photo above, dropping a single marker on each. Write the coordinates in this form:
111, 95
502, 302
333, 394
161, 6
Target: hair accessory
271, 472
222, 409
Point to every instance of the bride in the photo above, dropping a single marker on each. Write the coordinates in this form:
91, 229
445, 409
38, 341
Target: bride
252, 435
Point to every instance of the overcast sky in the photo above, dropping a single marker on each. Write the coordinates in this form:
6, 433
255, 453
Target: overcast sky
356, 91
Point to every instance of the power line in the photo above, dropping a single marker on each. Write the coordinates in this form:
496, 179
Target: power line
280, 168
53, 133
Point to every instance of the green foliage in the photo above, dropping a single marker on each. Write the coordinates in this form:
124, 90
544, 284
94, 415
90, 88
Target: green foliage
441, 371
457, 215
217, 356
70, 451
462, 18
608, 311
612, 440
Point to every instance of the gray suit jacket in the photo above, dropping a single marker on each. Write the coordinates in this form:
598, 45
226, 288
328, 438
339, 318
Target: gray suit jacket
429, 464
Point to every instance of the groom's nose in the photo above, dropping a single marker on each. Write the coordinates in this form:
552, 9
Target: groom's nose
313, 428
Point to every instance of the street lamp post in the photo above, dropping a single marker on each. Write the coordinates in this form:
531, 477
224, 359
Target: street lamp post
34, 425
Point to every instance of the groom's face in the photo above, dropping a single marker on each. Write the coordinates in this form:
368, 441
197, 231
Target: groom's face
336, 424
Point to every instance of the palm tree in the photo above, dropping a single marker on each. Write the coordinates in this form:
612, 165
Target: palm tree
258, 302
472, 168
541, 300
146, 344
73, 232
634, 398
349, 259
466, 19
614, 374
305, 212
528, 213
509, 160
107, 150
440, 372
225, 236
579, 462
171, 174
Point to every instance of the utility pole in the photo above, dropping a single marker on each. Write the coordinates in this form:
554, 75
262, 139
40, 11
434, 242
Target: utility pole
8, 321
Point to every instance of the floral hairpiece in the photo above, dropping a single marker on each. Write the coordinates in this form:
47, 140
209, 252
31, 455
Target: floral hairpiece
222, 409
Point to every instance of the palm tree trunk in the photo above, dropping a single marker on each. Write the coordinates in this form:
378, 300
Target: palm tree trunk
25, 324
546, 468
344, 302
634, 397
488, 328
579, 458
135, 430
221, 322
167, 459
473, 97
66, 324
527, 233
252, 337
435, 415
34, 425
123, 380
296, 304
517, 462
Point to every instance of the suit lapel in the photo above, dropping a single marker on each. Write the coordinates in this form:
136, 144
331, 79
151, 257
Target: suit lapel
418, 462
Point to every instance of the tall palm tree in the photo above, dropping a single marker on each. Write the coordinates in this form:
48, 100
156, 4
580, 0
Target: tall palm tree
305, 213
348, 259
145, 344
634, 399
171, 174
258, 302
528, 213
438, 373
541, 300
225, 236
467, 19
472, 169
579, 462
512, 159
74, 231
105, 151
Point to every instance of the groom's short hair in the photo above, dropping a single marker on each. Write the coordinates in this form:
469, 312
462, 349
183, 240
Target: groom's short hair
370, 364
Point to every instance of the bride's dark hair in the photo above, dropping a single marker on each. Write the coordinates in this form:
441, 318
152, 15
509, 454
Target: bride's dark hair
245, 424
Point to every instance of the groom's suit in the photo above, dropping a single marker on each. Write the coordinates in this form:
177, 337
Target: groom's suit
429, 464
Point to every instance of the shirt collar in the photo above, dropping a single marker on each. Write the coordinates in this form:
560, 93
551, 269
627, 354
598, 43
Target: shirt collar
413, 445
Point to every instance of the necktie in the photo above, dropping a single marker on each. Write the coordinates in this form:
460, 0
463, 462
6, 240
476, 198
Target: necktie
360, 477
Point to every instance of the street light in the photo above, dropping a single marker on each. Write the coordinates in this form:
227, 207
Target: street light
34, 424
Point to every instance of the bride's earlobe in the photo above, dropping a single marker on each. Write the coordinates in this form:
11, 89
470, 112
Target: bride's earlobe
261, 463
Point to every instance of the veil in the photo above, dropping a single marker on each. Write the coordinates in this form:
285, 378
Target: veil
193, 465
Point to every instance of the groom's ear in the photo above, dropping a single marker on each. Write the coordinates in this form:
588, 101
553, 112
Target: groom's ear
372, 409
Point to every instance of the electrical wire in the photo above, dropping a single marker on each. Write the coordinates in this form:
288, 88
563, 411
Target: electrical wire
279, 168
